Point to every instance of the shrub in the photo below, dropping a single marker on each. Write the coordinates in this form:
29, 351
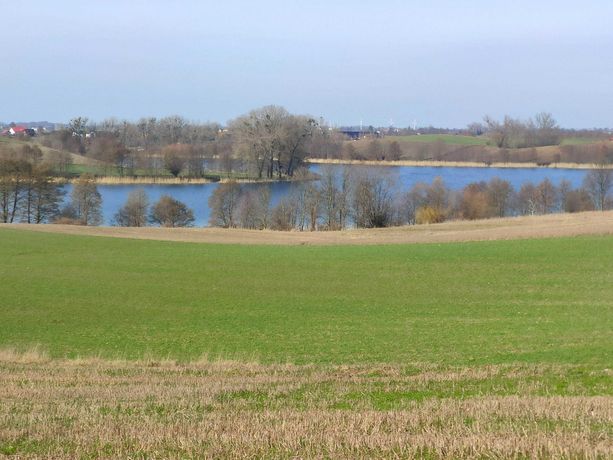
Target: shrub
429, 215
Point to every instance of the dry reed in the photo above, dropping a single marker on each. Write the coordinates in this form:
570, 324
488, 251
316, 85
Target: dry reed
456, 164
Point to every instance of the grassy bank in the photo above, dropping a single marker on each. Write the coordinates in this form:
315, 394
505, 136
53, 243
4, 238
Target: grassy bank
449, 139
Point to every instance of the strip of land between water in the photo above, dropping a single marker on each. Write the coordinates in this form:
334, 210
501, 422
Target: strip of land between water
508, 228
456, 164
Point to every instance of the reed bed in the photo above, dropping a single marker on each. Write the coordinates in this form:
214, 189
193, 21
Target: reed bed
456, 164
93, 408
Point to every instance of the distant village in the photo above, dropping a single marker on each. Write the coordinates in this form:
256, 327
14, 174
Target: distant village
28, 129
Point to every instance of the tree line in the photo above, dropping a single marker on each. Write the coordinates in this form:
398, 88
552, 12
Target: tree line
372, 200
271, 143
268, 142
28, 191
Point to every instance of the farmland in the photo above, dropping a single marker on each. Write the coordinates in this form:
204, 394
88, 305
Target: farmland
448, 139
159, 348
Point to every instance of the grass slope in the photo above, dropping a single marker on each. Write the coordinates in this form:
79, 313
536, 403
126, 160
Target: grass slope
530, 301
449, 139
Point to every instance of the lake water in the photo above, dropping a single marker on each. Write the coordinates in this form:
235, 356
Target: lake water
196, 196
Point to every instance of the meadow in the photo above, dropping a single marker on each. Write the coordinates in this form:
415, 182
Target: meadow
169, 349
449, 139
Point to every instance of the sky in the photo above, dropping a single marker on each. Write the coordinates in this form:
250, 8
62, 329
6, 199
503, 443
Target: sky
441, 62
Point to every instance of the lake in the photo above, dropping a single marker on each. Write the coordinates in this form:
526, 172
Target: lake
196, 196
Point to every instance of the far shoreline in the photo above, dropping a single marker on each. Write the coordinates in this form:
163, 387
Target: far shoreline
151, 180
455, 164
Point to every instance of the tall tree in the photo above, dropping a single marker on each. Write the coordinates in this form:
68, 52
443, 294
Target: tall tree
42, 197
373, 202
14, 178
499, 195
224, 205
598, 183
86, 200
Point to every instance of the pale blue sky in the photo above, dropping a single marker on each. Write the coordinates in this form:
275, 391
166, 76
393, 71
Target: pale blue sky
444, 62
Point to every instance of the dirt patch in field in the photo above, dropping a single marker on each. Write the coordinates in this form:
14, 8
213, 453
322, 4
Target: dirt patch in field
554, 225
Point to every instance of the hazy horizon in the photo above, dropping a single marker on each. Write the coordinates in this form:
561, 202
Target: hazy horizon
439, 64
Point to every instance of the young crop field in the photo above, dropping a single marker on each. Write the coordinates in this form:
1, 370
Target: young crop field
170, 349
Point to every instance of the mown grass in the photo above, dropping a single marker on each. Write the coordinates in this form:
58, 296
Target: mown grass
534, 301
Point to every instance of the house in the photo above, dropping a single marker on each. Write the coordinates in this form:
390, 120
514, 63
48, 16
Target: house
17, 130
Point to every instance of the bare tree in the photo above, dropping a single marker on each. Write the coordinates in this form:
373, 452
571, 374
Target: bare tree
329, 193
514, 133
253, 208
134, 212
574, 200
272, 140
258, 134
284, 214
474, 202
411, 201
598, 183
296, 130
499, 196
168, 212
171, 129
528, 199
173, 161
350, 152
374, 150
224, 205
394, 151
438, 195
307, 197
373, 202
86, 200
14, 178
546, 197
42, 197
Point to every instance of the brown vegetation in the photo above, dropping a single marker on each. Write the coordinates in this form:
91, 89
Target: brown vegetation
552, 225
97, 408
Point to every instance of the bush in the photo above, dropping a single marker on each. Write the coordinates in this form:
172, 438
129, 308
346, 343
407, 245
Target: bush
429, 215
168, 212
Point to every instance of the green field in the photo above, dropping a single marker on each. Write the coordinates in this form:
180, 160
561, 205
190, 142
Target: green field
581, 140
474, 350
449, 139
536, 301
